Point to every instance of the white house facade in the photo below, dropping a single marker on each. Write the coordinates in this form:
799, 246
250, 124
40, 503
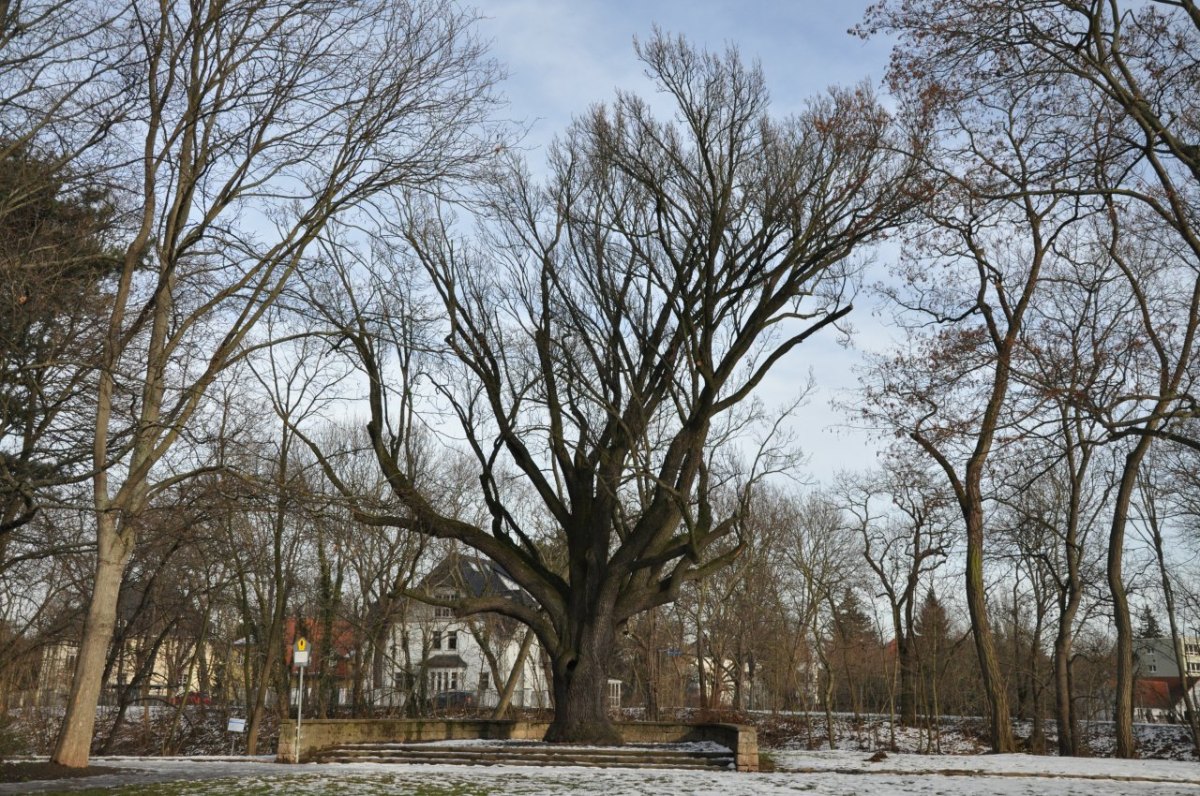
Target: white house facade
439, 657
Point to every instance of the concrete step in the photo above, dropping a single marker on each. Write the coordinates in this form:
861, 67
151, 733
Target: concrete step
528, 755
626, 763
538, 749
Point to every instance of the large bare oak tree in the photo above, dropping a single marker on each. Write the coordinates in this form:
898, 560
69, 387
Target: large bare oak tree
604, 331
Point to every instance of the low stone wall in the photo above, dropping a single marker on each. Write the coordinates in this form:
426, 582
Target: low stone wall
319, 734
740, 738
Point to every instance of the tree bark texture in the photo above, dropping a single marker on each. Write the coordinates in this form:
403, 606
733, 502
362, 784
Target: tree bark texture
75, 738
995, 689
1123, 707
581, 706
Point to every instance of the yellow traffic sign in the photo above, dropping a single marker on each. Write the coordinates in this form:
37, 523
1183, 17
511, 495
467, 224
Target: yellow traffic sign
301, 645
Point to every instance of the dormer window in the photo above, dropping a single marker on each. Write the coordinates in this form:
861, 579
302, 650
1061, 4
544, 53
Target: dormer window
444, 611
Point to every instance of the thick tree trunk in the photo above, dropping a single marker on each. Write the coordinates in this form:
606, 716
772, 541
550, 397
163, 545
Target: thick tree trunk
258, 707
581, 687
75, 738
1123, 707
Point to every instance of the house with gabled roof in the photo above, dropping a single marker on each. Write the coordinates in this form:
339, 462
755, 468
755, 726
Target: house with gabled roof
444, 661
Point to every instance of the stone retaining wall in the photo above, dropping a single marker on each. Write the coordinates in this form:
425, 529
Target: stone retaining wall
319, 734
740, 738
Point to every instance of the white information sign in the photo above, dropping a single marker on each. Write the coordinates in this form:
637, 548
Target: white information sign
236, 725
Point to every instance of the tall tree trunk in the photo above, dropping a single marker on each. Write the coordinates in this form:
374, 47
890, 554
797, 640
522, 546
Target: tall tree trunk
995, 689
1070, 594
75, 738
274, 642
1064, 709
1123, 707
908, 682
1069, 739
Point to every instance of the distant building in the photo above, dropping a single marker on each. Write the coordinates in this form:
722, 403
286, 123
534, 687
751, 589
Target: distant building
153, 655
334, 657
1159, 693
438, 658
161, 666
1156, 657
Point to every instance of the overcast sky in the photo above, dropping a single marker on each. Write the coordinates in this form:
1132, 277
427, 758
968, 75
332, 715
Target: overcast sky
563, 55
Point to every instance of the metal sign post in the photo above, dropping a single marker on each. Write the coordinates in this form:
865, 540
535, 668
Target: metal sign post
300, 658
235, 727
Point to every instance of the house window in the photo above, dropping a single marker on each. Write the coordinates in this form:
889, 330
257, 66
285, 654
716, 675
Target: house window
444, 680
444, 612
1194, 666
437, 639
1152, 668
483, 681
451, 640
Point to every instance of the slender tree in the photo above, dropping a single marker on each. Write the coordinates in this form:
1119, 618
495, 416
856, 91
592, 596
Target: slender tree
1129, 68
903, 544
250, 126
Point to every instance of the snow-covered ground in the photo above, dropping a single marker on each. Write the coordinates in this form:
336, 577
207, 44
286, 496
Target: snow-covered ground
837, 773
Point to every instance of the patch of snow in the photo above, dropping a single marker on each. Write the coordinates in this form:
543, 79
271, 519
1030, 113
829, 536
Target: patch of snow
1003, 765
832, 774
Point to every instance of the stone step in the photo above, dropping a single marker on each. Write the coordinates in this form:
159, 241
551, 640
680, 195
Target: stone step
527, 755
624, 763
538, 749
526, 758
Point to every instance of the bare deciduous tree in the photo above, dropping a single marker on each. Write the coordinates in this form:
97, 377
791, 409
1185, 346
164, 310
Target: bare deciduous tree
905, 522
1128, 114
249, 127
608, 326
